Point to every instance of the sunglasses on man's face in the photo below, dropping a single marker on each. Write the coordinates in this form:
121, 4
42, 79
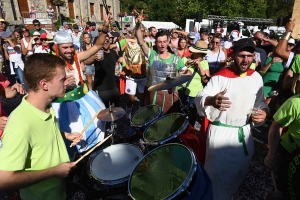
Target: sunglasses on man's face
36, 24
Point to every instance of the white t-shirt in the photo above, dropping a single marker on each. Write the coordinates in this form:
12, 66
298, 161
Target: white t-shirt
227, 44
214, 59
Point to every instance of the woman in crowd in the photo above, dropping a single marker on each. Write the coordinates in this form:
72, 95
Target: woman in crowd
13, 53
182, 50
25, 40
272, 70
216, 58
88, 63
200, 72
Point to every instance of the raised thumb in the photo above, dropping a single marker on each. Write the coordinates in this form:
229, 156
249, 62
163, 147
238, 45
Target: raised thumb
224, 91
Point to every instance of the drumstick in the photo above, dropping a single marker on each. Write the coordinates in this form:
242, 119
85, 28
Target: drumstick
92, 149
88, 124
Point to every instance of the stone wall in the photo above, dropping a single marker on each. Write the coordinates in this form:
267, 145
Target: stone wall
81, 8
296, 15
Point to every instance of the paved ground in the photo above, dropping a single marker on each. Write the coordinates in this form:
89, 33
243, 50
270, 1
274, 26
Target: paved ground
255, 187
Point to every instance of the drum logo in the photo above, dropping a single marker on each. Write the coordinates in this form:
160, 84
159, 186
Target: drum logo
128, 90
291, 173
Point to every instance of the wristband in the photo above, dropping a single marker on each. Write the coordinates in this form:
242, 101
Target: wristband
286, 35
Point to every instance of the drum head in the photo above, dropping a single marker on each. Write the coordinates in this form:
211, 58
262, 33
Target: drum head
165, 127
115, 162
162, 173
145, 114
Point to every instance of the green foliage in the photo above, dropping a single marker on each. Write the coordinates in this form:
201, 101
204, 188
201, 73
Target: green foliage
178, 11
63, 19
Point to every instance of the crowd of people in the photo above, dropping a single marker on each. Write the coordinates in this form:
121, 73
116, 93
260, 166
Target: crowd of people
235, 84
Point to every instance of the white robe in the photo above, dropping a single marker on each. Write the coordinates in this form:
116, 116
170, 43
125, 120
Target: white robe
226, 162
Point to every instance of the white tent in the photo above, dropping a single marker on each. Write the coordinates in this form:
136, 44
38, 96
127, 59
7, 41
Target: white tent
160, 25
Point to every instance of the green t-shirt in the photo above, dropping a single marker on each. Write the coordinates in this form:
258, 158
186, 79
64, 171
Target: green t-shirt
152, 53
296, 65
288, 115
195, 85
32, 141
33, 30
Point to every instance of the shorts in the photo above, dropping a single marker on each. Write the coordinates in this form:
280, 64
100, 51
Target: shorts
89, 70
133, 83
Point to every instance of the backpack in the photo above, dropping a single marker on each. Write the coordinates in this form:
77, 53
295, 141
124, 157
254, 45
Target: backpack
135, 60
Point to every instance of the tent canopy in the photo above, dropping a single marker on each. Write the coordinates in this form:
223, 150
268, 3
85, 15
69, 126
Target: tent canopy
160, 25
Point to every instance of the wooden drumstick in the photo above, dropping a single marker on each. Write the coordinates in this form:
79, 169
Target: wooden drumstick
92, 149
81, 133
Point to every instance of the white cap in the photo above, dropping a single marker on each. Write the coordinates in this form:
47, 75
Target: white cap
36, 33
62, 37
291, 41
266, 31
32, 5
234, 34
255, 30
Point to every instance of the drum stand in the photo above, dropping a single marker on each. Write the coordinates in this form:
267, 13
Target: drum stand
113, 127
184, 108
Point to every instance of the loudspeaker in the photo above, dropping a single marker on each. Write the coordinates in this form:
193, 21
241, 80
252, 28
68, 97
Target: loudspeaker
279, 21
199, 16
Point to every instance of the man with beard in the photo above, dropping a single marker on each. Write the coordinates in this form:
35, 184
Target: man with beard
77, 108
152, 34
104, 82
226, 101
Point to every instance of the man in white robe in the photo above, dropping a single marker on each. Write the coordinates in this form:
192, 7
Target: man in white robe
226, 101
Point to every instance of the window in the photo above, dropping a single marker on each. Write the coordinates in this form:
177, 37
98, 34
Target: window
92, 10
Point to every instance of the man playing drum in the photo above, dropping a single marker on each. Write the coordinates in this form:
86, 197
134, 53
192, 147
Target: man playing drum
161, 65
76, 109
33, 157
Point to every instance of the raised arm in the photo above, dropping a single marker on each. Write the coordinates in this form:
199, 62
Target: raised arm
83, 55
138, 33
283, 42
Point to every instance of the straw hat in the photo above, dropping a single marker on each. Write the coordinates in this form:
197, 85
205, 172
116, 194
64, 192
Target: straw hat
200, 47
36, 33
3, 20
49, 38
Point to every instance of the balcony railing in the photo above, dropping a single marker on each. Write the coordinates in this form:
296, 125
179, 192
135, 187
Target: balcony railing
39, 15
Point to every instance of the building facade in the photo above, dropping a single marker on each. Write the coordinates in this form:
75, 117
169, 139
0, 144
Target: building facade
89, 10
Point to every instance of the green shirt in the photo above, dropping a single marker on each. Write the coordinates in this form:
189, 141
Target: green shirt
180, 64
33, 30
296, 65
288, 115
32, 141
195, 85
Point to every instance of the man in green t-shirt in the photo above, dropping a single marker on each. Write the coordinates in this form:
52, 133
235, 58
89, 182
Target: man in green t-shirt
162, 64
282, 145
37, 27
33, 156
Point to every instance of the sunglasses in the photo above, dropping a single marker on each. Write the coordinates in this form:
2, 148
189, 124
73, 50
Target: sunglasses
215, 42
36, 24
106, 41
43, 39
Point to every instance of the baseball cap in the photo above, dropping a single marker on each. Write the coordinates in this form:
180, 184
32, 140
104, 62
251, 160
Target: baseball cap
75, 26
243, 43
292, 41
266, 31
191, 35
202, 30
236, 39
114, 25
93, 24
127, 25
124, 32
65, 23
43, 35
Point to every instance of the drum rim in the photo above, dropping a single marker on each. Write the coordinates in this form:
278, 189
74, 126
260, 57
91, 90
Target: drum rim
174, 135
112, 182
156, 116
184, 184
